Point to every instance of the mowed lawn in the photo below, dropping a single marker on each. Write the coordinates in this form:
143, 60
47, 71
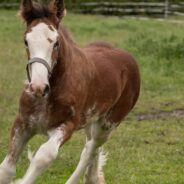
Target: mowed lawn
150, 151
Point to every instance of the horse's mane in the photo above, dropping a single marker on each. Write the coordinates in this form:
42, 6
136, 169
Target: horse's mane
67, 34
39, 11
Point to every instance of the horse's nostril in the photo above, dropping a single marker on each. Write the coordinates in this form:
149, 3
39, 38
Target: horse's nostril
46, 90
31, 87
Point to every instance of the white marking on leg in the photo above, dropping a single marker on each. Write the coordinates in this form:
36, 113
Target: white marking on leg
94, 173
101, 163
98, 137
86, 156
7, 171
91, 175
44, 156
8, 166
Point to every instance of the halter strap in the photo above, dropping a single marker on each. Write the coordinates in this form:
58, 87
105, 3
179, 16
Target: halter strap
41, 61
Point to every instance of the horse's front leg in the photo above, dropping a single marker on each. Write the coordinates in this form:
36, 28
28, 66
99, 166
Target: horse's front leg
47, 152
19, 136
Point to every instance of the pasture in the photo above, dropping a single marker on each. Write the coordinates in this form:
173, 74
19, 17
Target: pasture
148, 147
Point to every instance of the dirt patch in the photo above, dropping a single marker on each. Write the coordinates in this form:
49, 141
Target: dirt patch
177, 113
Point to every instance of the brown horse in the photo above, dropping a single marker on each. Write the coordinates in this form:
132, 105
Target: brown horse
68, 88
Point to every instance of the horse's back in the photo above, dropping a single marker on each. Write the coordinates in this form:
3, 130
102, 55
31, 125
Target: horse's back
117, 79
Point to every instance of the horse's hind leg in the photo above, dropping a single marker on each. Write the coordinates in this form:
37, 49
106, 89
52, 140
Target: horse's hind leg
94, 173
19, 137
99, 135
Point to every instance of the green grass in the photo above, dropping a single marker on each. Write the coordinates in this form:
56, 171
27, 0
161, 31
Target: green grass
140, 152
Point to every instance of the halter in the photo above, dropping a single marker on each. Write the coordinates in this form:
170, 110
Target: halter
41, 61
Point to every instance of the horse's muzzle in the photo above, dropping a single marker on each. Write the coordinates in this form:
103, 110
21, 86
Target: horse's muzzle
39, 90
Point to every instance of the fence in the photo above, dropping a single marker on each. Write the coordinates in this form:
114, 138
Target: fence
120, 8
131, 8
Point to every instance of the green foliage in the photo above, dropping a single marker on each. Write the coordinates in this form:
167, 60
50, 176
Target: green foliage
145, 152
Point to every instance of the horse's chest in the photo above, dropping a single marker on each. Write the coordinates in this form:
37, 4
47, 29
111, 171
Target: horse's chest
45, 116
37, 122
38, 119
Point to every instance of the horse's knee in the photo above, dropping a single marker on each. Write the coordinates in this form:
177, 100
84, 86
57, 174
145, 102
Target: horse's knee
44, 157
101, 131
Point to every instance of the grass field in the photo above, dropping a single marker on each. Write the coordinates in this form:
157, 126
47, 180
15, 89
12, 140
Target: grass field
150, 151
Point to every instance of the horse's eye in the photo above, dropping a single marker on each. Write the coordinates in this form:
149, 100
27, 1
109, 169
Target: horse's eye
26, 43
56, 45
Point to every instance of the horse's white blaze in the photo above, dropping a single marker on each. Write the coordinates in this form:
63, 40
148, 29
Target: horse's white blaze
41, 41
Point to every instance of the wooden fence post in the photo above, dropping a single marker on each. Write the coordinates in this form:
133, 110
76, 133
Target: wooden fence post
166, 8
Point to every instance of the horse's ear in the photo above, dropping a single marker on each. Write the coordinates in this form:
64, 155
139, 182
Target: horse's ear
25, 9
58, 8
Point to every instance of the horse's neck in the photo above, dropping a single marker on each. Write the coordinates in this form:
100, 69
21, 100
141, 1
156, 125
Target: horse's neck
69, 59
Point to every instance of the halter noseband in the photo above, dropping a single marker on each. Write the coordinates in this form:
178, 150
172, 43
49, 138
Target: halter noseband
41, 61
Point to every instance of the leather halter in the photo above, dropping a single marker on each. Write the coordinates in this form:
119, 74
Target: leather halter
41, 61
